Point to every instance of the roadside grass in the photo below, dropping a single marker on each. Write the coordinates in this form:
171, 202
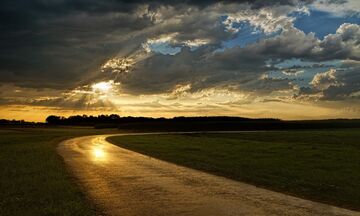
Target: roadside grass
322, 165
33, 178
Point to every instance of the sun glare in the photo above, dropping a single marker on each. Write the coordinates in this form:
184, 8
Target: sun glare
98, 153
102, 86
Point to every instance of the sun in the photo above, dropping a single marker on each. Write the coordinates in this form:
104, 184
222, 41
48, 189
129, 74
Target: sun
102, 86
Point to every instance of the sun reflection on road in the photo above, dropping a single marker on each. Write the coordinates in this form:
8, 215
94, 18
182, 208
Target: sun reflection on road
98, 153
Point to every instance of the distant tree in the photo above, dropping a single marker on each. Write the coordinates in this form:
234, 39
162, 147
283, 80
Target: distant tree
53, 119
114, 117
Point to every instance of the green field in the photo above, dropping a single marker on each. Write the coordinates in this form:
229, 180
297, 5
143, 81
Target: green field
318, 165
34, 180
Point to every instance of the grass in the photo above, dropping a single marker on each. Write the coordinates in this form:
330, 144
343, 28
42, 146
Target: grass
34, 180
318, 165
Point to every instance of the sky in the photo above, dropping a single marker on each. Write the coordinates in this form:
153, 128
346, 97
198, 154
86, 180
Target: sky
287, 59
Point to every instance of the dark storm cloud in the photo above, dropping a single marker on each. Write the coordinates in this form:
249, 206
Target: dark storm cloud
61, 43
25, 14
239, 69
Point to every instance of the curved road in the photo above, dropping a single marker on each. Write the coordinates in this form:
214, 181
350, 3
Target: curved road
122, 182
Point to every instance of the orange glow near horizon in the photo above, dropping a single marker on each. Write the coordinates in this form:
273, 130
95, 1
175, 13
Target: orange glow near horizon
286, 111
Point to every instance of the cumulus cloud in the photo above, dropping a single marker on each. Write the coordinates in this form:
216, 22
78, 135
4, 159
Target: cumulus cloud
338, 7
322, 81
238, 68
292, 42
344, 44
335, 84
267, 19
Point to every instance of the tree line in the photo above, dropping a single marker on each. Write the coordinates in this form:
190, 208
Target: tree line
91, 120
200, 123
17, 122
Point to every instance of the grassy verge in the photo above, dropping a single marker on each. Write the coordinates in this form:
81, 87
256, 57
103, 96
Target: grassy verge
34, 180
318, 165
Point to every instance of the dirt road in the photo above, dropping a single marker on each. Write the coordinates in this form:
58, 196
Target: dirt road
122, 182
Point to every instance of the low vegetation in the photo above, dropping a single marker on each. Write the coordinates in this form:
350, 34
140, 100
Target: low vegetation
318, 165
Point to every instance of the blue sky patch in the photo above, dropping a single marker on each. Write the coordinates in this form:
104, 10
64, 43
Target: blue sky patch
164, 48
321, 23
306, 70
247, 34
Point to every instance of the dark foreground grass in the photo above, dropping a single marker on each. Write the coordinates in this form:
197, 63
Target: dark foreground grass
33, 179
317, 165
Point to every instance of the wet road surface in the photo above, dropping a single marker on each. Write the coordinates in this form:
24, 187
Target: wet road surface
122, 182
